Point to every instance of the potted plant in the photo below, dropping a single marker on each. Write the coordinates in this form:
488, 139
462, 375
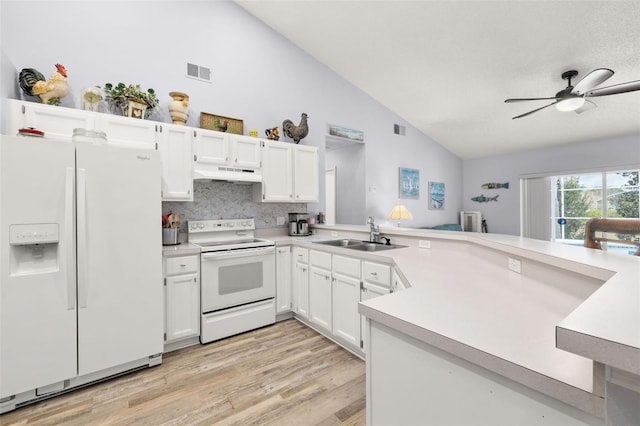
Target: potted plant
133, 101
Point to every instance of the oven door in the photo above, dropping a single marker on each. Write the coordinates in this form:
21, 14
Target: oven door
232, 278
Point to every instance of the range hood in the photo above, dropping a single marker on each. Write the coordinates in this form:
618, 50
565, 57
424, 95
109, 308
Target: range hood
230, 174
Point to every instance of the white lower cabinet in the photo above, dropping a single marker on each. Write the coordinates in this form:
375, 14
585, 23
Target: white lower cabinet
300, 281
284, 299
182, 297
346, 295
376, 282
320, 289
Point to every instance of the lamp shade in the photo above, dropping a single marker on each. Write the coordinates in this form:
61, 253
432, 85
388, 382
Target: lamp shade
399, 213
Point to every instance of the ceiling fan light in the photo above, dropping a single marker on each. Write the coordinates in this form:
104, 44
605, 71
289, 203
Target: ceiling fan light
570, 104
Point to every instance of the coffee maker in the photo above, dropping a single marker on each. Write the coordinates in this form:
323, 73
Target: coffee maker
298, 224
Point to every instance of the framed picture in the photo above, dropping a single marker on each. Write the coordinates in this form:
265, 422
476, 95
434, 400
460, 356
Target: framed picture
436, 195
409, 183
343, 132
221, 124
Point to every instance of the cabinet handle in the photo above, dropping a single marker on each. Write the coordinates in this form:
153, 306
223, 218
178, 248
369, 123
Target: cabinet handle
195, 280
375, 274
195, 157
182, 265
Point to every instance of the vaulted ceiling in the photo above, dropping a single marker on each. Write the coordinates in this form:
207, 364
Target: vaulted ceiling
447, 66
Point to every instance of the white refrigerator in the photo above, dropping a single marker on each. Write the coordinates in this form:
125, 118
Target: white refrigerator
81, 291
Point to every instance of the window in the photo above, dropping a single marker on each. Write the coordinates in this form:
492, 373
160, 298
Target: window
580, 197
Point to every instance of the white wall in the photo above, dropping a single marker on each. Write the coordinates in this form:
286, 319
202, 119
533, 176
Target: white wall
258, 76
504, 216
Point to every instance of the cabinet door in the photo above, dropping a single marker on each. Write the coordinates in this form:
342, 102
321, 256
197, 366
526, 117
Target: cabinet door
245, 151
396, 282
182, 307
211, 148
369, 291
305, 174
283, 279
56, 122
301, 289
174, 144
277, 172
128, 132
320, 297
346, 319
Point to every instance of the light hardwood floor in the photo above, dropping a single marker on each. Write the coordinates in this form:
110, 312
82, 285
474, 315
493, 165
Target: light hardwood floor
285, 374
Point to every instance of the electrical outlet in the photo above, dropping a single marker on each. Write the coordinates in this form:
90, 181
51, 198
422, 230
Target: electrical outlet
514, 265
334, 234
424, 244
280, 220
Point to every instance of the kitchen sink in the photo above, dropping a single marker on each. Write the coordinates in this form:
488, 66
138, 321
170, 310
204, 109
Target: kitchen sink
340, 243
367, 246
359, 245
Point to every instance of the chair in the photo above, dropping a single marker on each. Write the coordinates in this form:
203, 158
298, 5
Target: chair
618, 226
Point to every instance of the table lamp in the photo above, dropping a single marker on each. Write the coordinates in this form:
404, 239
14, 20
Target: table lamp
399, 213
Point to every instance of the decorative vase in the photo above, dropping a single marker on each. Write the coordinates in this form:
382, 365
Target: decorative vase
179, 107
134, 109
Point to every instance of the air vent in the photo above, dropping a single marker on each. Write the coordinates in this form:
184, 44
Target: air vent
199, 72
399, 130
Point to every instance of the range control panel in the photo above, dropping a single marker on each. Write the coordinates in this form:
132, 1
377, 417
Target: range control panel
220, 225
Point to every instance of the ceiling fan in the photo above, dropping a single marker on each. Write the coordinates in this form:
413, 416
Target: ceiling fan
573, 98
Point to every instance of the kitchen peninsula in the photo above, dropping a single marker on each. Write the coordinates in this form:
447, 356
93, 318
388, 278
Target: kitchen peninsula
567, 326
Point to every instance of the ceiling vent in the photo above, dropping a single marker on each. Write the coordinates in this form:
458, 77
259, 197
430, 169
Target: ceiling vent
399, 130
198, 72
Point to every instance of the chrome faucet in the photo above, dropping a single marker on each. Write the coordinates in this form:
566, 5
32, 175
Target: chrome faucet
374, 230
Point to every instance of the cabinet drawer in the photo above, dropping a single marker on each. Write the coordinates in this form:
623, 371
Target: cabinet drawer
300, 255
376, 273
320, 259
346, 266
181, 265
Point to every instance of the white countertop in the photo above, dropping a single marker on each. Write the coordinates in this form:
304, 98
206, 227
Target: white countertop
463, 298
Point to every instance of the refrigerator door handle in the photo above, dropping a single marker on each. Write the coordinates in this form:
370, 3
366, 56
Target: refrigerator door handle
82, 238
69, 191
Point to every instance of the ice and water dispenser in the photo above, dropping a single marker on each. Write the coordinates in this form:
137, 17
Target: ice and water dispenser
34, 248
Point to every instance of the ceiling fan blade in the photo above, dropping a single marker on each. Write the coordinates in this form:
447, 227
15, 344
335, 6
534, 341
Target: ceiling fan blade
535, 110
586, 106
615, 89
530, 99
592, 80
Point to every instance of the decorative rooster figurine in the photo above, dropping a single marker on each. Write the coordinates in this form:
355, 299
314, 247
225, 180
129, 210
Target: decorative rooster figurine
50, 91
296, 132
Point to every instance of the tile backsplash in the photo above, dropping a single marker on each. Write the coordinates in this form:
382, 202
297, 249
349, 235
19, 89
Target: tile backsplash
228, 200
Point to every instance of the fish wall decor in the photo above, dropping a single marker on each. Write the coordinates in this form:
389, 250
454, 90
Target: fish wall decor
495, 185
483, 199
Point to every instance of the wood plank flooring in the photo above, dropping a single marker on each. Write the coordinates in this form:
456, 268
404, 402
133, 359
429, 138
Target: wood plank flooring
285, 374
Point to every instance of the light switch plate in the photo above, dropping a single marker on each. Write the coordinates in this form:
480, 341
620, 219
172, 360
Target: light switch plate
334, 234
424, 244
280, 220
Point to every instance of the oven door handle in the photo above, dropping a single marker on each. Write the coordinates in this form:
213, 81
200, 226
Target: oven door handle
236, 254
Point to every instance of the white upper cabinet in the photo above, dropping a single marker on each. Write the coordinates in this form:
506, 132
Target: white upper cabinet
277, 172
56, 122
211, 150
305, 161
127, 132
174, 144
245, 151
226, 156
289, 173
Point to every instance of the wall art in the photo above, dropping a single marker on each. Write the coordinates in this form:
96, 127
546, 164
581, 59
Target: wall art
343, 132
409, 183
436, 195
221, 124
493, 185
482, 199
